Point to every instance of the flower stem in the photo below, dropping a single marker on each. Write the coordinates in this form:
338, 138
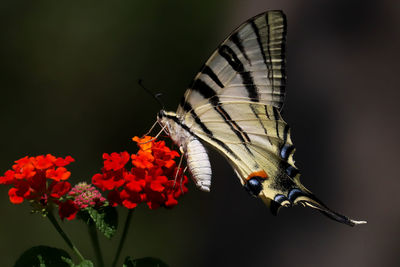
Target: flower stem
95, 242
64, 236
123, 237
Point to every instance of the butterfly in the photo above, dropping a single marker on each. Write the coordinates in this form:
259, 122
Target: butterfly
233, 105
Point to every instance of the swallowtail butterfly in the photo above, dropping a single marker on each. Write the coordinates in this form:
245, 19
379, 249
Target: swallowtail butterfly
233, 104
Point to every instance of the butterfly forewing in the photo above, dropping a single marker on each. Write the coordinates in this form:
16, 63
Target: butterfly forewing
248, 66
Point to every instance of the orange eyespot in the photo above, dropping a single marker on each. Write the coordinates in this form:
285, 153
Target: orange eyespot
261, 174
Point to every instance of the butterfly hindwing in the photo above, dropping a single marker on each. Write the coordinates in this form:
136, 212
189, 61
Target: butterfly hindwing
257, 143
254, 138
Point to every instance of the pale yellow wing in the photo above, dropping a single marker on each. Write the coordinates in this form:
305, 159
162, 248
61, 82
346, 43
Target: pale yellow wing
233, 104
257, 143
248, 66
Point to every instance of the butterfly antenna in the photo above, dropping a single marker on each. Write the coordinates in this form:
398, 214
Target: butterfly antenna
156, 96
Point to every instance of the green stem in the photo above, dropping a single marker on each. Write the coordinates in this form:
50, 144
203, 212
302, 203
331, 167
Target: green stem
95, 242
123, 237
64, 235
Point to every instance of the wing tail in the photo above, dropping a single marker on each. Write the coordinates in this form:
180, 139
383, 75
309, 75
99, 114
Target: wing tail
297, 194
309, 200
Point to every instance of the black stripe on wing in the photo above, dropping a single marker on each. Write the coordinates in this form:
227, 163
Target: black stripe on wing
208, 71
286, 149
269, 62
255, 112
259, 42
208, 93
233, 60
280, 65
276, 118
239, 43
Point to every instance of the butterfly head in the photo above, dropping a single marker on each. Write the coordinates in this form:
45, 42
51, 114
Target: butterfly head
165, 118
161, 114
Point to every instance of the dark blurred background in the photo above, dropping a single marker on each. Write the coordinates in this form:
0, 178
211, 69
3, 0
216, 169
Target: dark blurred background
69, 76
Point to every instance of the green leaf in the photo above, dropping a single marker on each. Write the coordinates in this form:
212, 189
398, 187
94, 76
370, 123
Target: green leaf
144, 262
43, 256
85, 263
106, 220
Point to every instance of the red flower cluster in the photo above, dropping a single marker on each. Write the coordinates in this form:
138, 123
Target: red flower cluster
154, 177
40, 179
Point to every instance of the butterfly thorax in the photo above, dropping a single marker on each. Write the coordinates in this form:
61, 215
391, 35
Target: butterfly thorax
176, 129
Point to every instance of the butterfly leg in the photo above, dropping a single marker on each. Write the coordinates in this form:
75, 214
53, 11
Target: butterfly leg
181, 183
151, 129
179, 166
158, 134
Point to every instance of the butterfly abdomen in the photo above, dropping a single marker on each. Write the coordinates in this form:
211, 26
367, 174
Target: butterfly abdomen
199, 164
